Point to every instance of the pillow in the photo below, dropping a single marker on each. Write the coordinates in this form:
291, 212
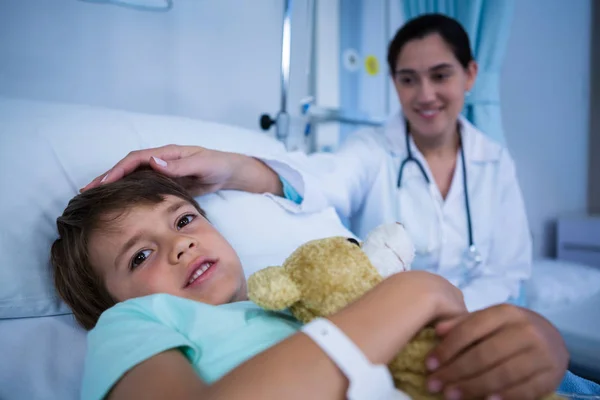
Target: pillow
49, 150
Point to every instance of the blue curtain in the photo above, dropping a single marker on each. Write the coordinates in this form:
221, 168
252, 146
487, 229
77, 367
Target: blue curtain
487, 23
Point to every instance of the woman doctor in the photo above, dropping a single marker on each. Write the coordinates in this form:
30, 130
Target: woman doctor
453, 188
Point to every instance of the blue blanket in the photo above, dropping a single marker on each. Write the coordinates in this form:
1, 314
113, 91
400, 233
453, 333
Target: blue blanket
573, 384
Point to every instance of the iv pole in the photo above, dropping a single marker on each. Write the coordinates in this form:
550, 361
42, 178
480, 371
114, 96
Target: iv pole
282, 120
316, 114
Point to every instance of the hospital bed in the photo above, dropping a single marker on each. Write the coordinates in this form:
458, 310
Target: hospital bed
49, 150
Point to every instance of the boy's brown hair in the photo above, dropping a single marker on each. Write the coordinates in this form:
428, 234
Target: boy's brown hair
74, 278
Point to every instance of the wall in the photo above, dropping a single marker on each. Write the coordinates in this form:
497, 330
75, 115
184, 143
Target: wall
215, 60
545, 95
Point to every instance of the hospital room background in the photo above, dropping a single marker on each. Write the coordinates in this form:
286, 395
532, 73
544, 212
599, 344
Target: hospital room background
90, 77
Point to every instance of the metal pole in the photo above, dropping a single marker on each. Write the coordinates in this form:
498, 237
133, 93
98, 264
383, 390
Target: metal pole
286, 44
283, 118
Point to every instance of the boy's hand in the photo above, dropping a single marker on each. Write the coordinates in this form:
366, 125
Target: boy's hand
447, 300
386, 318
506, 351
450, 300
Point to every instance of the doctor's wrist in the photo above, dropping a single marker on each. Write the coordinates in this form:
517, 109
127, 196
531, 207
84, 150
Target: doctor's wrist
251, 175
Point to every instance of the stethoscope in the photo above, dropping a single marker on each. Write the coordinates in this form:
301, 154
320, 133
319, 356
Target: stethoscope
473, 256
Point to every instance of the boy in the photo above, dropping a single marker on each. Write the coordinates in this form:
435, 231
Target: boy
165, 298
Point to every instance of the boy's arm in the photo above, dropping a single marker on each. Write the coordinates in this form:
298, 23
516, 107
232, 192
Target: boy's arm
380, 323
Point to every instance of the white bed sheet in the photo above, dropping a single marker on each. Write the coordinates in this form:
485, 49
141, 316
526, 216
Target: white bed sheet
580, 327
568, 294
556, 284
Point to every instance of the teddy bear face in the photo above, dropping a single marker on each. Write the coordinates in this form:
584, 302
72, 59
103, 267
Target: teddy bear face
329, 273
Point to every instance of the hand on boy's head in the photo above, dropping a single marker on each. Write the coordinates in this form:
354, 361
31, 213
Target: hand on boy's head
137, 159
503, 350
203, 170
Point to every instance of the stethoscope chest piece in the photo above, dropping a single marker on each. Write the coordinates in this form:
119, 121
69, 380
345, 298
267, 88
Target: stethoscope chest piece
474, 256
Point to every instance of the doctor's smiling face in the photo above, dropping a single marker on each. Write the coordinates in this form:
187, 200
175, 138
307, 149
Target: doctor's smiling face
432, 68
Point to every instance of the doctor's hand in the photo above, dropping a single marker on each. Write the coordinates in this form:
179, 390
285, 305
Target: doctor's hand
199, 170
505, 351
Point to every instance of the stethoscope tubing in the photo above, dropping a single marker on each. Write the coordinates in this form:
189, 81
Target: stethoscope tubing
411, 158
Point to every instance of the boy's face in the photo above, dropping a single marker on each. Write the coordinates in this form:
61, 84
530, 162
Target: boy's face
167, 248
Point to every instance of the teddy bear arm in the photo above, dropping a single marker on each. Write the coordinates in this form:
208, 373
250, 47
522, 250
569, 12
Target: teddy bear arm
302, 313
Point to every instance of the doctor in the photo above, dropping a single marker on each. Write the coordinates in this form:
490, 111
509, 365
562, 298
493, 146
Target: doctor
454, 189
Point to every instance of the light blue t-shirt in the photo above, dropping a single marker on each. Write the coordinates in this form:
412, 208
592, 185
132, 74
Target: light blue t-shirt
215, 339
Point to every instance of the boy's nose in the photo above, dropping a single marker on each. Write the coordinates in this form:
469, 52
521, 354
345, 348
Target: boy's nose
182, 246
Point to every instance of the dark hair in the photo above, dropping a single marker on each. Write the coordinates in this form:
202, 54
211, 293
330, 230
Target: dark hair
74, 277
449, 29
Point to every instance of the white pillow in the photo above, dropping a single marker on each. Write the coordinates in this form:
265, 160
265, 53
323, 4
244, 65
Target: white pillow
48, 151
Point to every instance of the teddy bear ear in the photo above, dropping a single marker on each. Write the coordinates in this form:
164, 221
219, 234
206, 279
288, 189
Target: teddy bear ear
389, 248
273, 289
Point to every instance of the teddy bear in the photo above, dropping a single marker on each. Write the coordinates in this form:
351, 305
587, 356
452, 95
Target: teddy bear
322, 276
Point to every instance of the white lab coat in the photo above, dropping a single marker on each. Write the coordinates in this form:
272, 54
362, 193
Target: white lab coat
360, 181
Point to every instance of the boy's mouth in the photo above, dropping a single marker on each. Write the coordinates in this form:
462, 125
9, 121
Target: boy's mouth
198, 270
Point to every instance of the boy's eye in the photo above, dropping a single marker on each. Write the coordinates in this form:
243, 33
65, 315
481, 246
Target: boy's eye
186, 219
139, 258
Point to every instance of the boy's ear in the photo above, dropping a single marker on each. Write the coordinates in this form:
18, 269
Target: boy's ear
273, 289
